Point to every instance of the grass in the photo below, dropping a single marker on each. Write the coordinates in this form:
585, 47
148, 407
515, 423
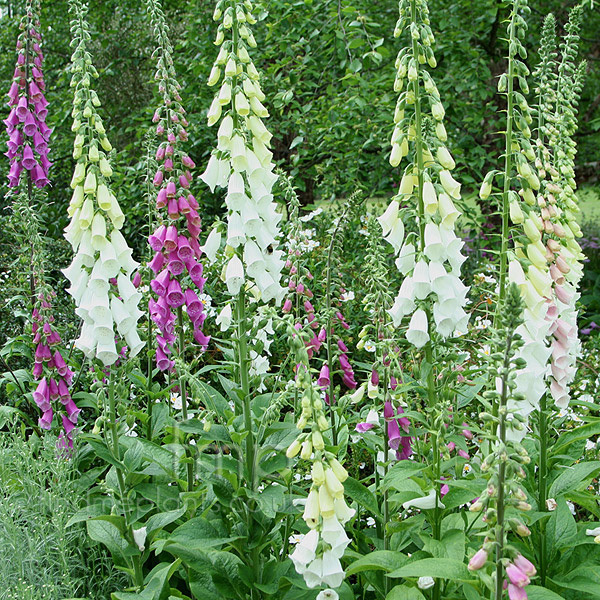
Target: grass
42, 558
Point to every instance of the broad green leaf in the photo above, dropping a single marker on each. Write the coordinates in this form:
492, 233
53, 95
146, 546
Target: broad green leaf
107, 534
87, 513
380, 560
442, 568
561, 529
536, 592
358, 492
581, 584
403, 592
581, 433
163, 519
399, 473
572, 477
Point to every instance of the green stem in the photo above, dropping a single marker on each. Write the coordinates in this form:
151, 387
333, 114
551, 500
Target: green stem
542, 490
329, 340
500, 528
431, 396
138, 576
508, 155
184, 402
244, 363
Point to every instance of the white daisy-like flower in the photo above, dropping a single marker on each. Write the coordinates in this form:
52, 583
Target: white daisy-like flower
347, 296
467, 468
130, 431
370, 346
296, 538
175, 400
310, 216
370, 522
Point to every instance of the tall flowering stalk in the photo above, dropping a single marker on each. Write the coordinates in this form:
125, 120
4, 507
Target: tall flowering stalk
503, 500
429, 254
100, 272
29, 135
317, 556
242, 163
178, 272
557, 92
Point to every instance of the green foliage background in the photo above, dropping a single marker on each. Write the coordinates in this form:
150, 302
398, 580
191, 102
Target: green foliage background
328, 75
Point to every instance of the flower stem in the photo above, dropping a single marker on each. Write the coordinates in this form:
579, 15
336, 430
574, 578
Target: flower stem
183, 393
542, 490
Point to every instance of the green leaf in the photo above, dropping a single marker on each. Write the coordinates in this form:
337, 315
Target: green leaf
572, 477
581, 433
536, 592
358, 492
296, 141
106, 533
403, 592
442, 568
87, 513
581, 584
561, 529
399, 473
380, 560
163, 519
133, 456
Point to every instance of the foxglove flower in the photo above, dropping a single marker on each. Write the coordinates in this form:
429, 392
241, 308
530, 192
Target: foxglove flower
176, 263
100, 274
242, 161
29, 136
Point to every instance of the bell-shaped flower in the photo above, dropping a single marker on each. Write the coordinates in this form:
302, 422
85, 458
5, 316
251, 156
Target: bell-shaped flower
421, 281
406, 259
404, 303
430, 200
418, 329
450, 185
234, 275
425, 503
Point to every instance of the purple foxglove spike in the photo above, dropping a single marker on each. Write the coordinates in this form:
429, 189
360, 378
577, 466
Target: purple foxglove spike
308, 307
11, 121
45, 130
198, 320
393, 434
38, 369
14, 174
176, 265
163, 344
287, 306
160, 153
21, 59
161, 283
137, 280
194, 218
168, 166
324, 379
300, 288
174, 295
388, 411
22, 109
45, 421
169, 150
201, 339
192, 202
322, 335
157, 239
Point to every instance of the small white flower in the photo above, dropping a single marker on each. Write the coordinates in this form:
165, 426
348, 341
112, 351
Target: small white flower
296, 538
370, 346
130, 431
310, 216
571, 507
175, 400
590, 445
467, 469
370, 522
424, 583
347, 296
551, 504
327, 595
139, 537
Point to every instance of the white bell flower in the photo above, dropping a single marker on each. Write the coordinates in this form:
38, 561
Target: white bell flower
425, 503
234, 275
418, 330
224, 318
